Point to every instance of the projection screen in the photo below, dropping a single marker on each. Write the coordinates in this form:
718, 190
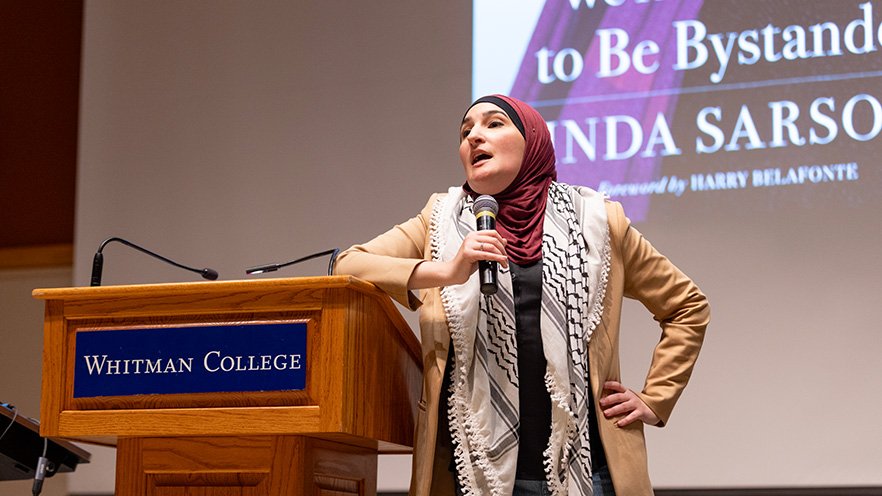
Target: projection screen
742, 138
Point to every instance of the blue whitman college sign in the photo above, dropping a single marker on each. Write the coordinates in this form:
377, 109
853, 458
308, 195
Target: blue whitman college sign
205, 359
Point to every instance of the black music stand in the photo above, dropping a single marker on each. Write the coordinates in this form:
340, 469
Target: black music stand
21, 448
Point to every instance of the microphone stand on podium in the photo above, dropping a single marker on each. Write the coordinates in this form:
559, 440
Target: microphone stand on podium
98, 262
260, 269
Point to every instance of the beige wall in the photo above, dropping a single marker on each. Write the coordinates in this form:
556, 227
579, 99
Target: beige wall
21, 350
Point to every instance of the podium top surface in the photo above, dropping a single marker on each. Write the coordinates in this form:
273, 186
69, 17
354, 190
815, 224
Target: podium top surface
206, 286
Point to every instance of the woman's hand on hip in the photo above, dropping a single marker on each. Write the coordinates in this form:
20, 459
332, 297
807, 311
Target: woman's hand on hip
623, 401
477, 245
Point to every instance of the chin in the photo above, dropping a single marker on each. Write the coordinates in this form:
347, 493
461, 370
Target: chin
485, 191
484, 187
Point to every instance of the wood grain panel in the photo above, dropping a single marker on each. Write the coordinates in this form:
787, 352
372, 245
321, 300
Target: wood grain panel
196, 303
210, 466
383, 375
52, 395
252, 454
190, 421
210, 479
335, 468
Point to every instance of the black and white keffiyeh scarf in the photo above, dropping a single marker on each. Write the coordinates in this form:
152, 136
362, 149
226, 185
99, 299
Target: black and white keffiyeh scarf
483, 407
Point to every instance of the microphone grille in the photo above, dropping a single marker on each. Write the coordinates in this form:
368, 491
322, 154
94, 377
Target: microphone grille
485, 203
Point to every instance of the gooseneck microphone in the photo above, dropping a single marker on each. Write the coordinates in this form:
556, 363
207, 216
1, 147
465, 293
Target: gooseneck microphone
485, 209
260, 269
98, 262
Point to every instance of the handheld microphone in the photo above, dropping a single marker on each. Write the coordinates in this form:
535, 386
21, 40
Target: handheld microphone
260, 269
98, 262
485, 209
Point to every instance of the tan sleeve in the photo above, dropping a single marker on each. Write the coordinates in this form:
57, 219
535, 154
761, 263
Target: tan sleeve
680, 308
389, 259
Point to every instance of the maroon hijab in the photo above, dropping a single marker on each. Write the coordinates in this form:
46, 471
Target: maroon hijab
522, 203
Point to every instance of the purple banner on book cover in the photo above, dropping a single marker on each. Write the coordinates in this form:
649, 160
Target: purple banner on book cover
203, 359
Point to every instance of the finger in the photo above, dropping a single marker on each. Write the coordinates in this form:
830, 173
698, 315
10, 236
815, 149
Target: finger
622, 408
489, 251
481, 245
496, 242
492, 232
625, 421
490, 245
617, 401
614, 386
607, 400
499, 241
612, 412
490, 248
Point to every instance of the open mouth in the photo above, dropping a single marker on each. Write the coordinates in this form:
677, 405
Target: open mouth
479, 157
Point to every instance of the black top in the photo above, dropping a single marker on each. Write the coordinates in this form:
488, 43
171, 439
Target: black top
535, 401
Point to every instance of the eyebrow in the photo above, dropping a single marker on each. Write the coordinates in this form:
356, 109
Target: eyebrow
485, 114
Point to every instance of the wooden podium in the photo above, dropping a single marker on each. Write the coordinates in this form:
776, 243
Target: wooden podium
362, 386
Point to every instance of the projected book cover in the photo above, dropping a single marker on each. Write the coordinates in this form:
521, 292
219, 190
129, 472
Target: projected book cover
699, 106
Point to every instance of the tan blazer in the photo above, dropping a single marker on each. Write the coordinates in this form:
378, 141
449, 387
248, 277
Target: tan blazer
636, 271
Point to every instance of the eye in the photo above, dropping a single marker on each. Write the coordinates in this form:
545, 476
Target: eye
464, 133
496, 124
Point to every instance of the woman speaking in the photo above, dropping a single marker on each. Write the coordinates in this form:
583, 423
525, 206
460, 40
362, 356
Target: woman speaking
521, 388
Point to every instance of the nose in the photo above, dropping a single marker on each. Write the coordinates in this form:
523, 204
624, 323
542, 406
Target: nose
476, 135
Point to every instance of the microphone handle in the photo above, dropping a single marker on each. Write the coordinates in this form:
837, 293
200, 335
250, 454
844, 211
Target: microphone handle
487, 269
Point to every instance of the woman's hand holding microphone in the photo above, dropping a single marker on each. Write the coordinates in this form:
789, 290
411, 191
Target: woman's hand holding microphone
477, 245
